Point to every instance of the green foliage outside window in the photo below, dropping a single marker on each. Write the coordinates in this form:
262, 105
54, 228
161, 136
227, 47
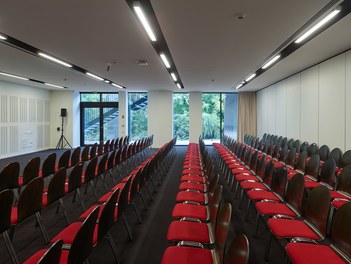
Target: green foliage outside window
181, 116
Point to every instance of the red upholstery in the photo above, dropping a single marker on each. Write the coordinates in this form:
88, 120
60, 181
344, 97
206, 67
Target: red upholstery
252, 185
190, 210
262, 195
192, 167
246, 177
240, 170
304, 253
68, 234
14, 216
88, 211
291, 228
45, 199
192, 178
186, 255
190, 196
192, 172
188, 231
36, 257
338, 203
265, 208
336, 194
192, 186
311, 184
105, 197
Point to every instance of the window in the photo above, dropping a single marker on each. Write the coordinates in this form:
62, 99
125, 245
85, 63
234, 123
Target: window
219, 116
181, 118
137, 113
99, 117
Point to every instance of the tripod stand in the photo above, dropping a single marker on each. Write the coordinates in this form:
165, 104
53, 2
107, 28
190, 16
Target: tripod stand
63, 139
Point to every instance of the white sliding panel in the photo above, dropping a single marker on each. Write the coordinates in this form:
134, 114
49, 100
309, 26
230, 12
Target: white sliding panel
280, 111
293, 106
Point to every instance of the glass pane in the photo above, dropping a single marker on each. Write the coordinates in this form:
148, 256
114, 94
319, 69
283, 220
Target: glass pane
91, 125
138, 111
111, 97
211, 118
90, 97
230, 103
181, 118
110, 123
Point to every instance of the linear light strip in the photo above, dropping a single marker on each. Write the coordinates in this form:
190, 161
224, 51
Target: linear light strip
239, 86
250, 77
118, 86
165, 60
318, 25
14, 76
174, 77
94, 76
271, 61
144, 21
3, 37
55, 85
53, 59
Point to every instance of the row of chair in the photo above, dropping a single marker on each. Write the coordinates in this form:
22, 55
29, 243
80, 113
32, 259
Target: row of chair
202, 226
278, 198
34, 197
79, 238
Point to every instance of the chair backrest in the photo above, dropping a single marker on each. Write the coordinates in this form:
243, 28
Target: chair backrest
291, 144
253, 160
56, 188
261, 166
48, 167
6, 201
285, 143
279, 181
317, 208
312, 149
222, 229
295, 192
82, 244
118, 156
107, 146
102, 164
304, 146
336, 154
30, 200
93, 151
268, 173
101, 148
123, 200
111, 160
341, 229
313, 166
90, 170
31, 170
214, 205
323, 152
327, 173
297, 145
345, 159
344, 183
239, 250
212, 186
64, 159
75, 177
290, 160
53, 254
85, 153
301, 162
107, 217
9, 176
75, 157
135, 184
283, 153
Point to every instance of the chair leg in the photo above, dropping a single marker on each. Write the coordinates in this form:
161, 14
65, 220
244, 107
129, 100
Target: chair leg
144, 201
257, 222
42, 228
268, 248
136, 212
127, 226
9, 247
64, 211
80, 199
113, 247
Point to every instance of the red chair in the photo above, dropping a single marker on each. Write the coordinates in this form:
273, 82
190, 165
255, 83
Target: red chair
239, 251
48, 167
9, 177
30, 171
51, 255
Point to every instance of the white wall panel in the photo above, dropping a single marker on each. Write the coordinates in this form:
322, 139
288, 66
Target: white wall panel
271, 110
280, 111
195, 116
293, 106
348, 100
332, 102
309, 105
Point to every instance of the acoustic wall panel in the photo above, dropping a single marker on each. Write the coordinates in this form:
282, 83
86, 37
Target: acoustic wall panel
348, 100
13, 109
309, 105
271, 110
3, 140
13, 139
3, 108
280, 109
23, 112
40, 110
32, 110
293, 106
332, 102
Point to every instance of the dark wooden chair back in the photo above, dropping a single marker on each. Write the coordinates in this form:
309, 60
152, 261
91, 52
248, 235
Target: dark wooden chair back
30, 200
336, 154
101, 147
279, 181
6, 201
312, 149
295, 192
323, 152
90, 171
313, 166
222, 229
107, 146
344, 183
85, 154
118, 156
48, 167
297, 145
93, 151
268, 173
75, 177
53, 254
254, 160
64, 159
304, 146
301, 162
214, 205
291, 158
239, 250
56, 187
102, 164
345, 159
111, 160
327, 174
9, 176
75, 157
31, 170
261, 166
123, 200
283, 154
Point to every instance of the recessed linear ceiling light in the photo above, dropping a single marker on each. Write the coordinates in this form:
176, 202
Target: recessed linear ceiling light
14, 76
118, 86
106, 81
250, 77
239, 86
94, 76
165, 60
271, 61
143, 20
174, 76
179, 86
54, 85
3, 37
319, 24
50, 58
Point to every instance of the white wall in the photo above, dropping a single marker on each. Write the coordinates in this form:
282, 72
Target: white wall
122, 114
195, 116
160, 123
24, 119
311, 105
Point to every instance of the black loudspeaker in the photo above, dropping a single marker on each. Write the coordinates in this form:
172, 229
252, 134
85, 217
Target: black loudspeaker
63, 112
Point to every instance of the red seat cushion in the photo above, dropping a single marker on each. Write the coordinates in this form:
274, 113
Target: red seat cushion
14, 216
252, 185
305, 253
311, 184
105, 197
45, 199
88, 211
246, 177
190, 210
69, 233
257, 195
338, 203
188, 231
34, 259
193, 178
240, 170
186, 255
266, 208
291, 228
336, 194
190, 196
192, 172
192, 186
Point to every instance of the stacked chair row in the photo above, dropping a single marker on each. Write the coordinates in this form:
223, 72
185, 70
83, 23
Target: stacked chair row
201, 224
294, 205
16, 206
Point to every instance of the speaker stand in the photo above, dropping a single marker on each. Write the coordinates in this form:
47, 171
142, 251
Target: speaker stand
63, 140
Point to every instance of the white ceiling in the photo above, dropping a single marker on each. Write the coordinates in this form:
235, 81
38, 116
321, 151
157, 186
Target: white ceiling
212, 49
